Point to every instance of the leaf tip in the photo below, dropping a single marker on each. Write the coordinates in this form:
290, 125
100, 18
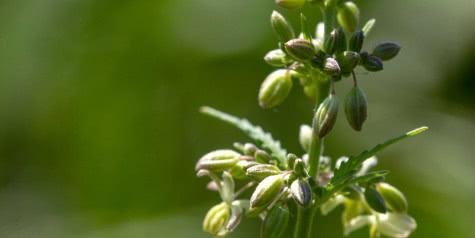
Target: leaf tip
417, 131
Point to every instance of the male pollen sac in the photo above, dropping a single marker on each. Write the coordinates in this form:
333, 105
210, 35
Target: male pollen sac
348, 16
356, 41
356, 108
282, 28
267, 190
371, 62
261, 171
218, 160
393, 197
275, 88
326, 115
300, 49
331, 66
301, 192
386, 50
348, 61
290, 4
374, 200
277, 58
336, 43
216, 219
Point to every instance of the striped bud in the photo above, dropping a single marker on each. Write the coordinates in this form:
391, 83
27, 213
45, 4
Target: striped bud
218, 160
238, 171
356, 108
331, 66
262, 171
301, 192
216, 219
291, 160
275, 223
267, 190
249, 149
325, 117
299, 168
262, 157
393, 197
348, 61
396, 224
371, 62
281, 27
336, 43
290, 4
348, 16
386, 50
277, 58
305, 137
374, 200
300, 49
356, 41
275, 88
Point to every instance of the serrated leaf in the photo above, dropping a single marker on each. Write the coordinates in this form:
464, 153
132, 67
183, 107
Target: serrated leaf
260, 137
351, 166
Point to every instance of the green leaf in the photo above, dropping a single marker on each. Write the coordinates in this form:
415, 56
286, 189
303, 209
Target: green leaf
305, 28
368, 27
351, 166
261, 138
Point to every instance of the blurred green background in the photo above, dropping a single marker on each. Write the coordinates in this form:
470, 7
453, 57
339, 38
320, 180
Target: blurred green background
99, 122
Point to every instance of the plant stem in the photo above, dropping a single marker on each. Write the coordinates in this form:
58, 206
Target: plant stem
303, 228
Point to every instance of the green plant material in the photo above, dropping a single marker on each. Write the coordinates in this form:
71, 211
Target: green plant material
276, 222
216, 219
262, 171
394, 198
374, 200
350, 167
282, 28
291, 4
218, 160
275, 88
326, 115
356, 108
277, 58
371, 63
356, 41
267, 190
262, 157
262, 139
386, 50
305, 28
368, 27
348, 16
301, 50
305, 137
301, 192
348, 61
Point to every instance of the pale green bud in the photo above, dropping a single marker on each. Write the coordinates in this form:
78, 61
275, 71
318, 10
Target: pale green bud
267, 190
348, 16
238, 171
386, 50
275, 223
393, 197
275, 88
290, 4
291, 160
348, 61
356, 41
301, 192
262, 157
336, 43
374, 200
249, 149
356, 108
300, 49
305, 137
299, 168
371, 62
216, 219
277, 58
227, 190
281, 27
396, 225
326, 115
368, 27
261, 171
218, 160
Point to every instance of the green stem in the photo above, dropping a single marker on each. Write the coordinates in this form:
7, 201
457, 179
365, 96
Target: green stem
303, 228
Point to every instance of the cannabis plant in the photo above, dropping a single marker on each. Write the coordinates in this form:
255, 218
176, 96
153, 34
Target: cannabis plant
289, 189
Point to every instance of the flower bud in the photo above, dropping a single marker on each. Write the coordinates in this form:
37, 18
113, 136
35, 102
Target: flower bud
299, 168
238, 171
348, 61
218, 160
305, 137
227, 191
393, 197
325, 117
289, 178
301, 192
267, 190
368, 27
281, 27
277, 58
348, 16
356, 41
216, 219
291, 160
276, 222
275, 88
262, 157
371, 62
356, 108
396, 224
262, 171
331, 66
249, 149
290, 4
300, 50
336, 43
386, 50
374, 200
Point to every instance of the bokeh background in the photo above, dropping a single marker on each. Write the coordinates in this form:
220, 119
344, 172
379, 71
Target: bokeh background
100, 129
